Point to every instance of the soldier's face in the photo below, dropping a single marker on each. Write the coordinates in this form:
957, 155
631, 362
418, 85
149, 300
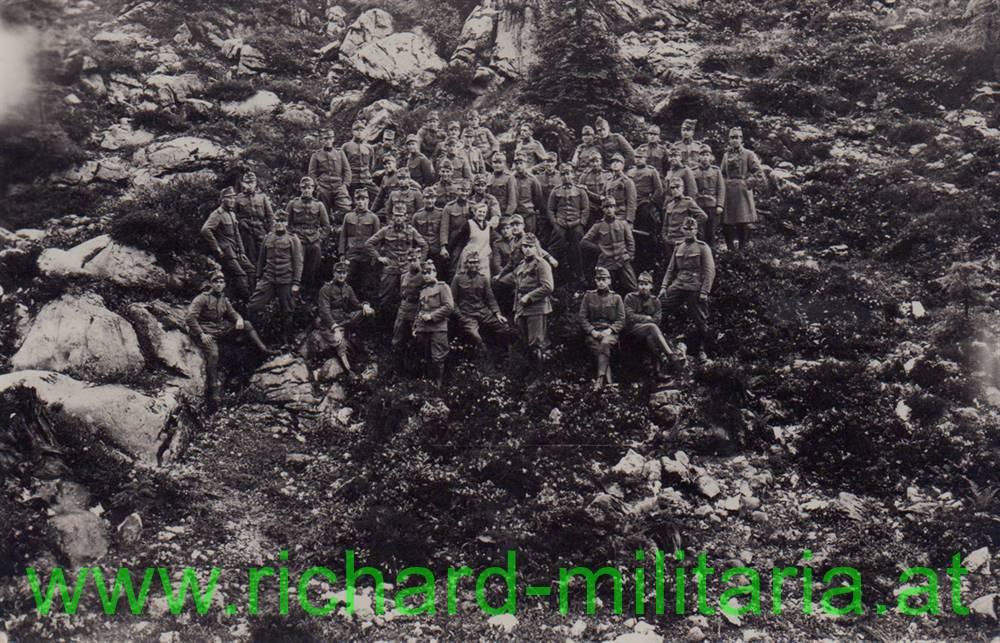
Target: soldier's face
307, 190
361, 202
549, 165
705, 158
687, 132
433, 123
517, 228
389, 138
603, 131
640, 160
340, 276
218, 286
645, 288
480, 213
415, 261
446, 174
412, 147
480, 188
399, 219
358, 133
520, 166
566, 175
652, 136
603, 283
328, 140
617, 166
690, 234
529, 250
229, 202
609, 212
390, 166
249, 184
735, 140
280, 226
430, 273
474, 120
587, 138
463, 191
525, 132
498, 162
676, 190
505, 231
472, 264
675, 159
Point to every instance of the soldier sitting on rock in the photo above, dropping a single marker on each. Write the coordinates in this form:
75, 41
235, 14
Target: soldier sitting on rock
602, 315
211, 318
643, 313
339, 312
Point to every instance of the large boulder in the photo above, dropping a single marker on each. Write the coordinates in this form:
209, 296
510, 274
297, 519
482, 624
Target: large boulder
102, 258
285, 380
174, 349
402, 59
76, 334
252, 61
179, 154
108, 170
122, 135
346, 100
141, 425
500, 34
336, 21
124, 89
379, 114
370, 26
299, 115
263, 102
671, 55
169, 90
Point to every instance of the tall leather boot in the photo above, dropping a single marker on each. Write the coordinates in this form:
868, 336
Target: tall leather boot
212, 393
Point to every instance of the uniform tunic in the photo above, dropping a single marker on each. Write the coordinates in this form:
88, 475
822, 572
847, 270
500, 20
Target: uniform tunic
740, 169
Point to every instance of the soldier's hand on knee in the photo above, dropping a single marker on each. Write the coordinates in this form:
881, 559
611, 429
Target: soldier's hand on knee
240, 324
205, 338
295, 289
703, 297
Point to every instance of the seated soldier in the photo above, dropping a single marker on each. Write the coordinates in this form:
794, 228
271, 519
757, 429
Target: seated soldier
339, 312
476, 306
602, 315
642, 321
210, 318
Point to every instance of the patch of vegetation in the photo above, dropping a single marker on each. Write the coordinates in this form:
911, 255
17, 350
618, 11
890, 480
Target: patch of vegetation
228, 90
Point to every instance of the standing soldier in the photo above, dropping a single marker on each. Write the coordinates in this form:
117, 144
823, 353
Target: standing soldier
621, 188
473, 153
502, 185
476, 305
410, 281
612, 241
253, 209
711, 194
527, 146
613, 143
332, 173
569, 214
602, 316
308, 220
690, 149
430, 134
406, 191
393, 244
548, 178
427, 222
339, 311
687, 283
211, 317
742, 171
533, 285
454, 219
587, 147
529, 194
648, 196
676, 209
360, 224
360, 158
279, 275
419, 165
656, 151
222, 232
593, 179
642, 321
431, 324
446, 177
676, 168
453, 152
386, 149
480, 194
481, 136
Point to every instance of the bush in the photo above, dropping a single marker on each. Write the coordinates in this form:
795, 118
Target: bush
29, 154
291, 91
159, 120
793, 99
112, 57
456, 80
32, 205
166, 220
229, 90
714, 111
286, 49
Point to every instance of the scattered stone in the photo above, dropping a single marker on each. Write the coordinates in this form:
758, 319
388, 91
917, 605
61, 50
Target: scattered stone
978, 559
121, 135
331, 370
371, 25
346, 100
170, 90
505, 622
180, 154
284, 380
263, 102
903, 411
76, 334
82, 536
984, 605
694, 635
917, 309
630, 466
708, 486
130, 529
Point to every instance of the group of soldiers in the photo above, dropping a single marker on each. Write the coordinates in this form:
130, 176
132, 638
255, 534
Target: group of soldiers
398, 224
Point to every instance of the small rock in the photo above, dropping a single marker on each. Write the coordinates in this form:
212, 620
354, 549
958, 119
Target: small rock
917, 309
505, 622
984, 605
694, 634
978, 559
903, 411
630, 465
130, 529
708, 486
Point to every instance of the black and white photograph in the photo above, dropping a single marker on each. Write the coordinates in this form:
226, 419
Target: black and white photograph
629, 321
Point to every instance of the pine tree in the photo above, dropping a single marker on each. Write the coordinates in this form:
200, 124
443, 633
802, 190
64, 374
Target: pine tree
581, 73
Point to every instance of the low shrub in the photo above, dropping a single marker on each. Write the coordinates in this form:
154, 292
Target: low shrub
35, 152
33, 204
159, 120
782, 97
229, 90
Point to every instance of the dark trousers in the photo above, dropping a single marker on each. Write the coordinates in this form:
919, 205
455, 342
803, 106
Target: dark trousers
238, 271
434, 344
267, 292
565, 245
696, 309
534, 330
736, 232
470, 325
647, 223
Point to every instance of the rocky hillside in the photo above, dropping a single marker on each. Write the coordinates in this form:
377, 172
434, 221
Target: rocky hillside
852, 409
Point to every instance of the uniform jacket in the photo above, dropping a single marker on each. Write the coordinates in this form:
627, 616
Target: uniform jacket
485, 140
474, 295
648, 186
616, 143
504, 188
642, 310
531, 149
421, 169
583, 150
222, 232
361, 160
456, 215
254, 211
674, 213
357, 229
529, 195
615, 240
690, 187
691, 268
656, 156
569, 206
711, 187
410, 285
623, 190
396, 244
280, 259
338, 305
208, 311
330, 169
741, 170
428, 223
502, 251
593, 180
690, 152
548, 181
601, 311
409, 195
436, 301
428, 140
532, 279
307, 219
